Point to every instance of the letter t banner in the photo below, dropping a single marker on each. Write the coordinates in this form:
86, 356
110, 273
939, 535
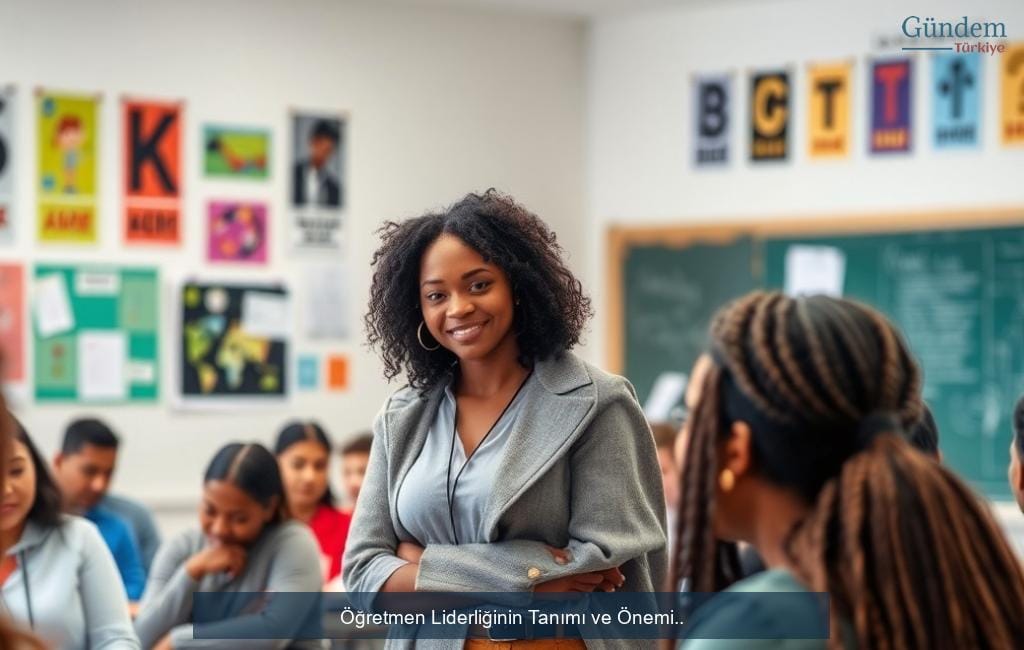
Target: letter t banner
828, 114
890, 106
152, 172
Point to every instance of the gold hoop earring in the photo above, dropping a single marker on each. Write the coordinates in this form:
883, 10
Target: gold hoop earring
419, 337
727, 480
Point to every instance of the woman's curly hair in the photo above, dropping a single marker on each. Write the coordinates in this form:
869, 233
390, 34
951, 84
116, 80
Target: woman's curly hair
551, 308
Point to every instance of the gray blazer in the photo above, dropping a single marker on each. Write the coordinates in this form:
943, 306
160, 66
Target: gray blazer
580, 472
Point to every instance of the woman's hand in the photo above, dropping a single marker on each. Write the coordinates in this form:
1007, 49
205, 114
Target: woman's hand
409, 552
607, 580
229, 559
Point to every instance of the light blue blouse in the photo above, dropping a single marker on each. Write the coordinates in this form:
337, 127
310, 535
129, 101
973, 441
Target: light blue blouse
422, 502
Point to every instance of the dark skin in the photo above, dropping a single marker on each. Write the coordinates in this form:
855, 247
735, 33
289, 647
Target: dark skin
468, 307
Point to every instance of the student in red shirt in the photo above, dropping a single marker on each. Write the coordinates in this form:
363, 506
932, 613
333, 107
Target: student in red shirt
303, 453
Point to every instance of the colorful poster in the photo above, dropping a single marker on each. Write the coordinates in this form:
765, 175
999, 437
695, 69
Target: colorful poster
96, 333
234, 341
1013, 95
769, 92
337, 372
152, 172
236, 152
6, 164
890, 106
308, 371
12, 331
956, 93
68, 167
318, 192
237, 232
828, 115
712, 108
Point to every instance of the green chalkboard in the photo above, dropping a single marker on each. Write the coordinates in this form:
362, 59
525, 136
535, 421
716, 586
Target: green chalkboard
958, 296
669, 296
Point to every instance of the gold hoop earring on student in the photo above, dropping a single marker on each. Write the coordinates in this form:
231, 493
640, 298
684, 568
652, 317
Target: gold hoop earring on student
419, 337
726, 480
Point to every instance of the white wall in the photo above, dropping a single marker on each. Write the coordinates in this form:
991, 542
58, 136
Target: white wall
640, 122
441, 102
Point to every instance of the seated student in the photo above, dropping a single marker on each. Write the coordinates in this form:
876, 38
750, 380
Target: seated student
1016, 472
83, 468
355, 456
58, 577
303, 453
665, 440
796, 443
246, 542
11, 638
133, 513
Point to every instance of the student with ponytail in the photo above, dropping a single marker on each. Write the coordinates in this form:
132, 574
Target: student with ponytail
303, 453
796, 444
246, 542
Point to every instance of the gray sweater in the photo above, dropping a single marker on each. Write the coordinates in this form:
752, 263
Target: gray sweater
67, 586
285, 558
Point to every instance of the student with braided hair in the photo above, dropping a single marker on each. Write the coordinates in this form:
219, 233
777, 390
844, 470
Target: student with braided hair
796, 444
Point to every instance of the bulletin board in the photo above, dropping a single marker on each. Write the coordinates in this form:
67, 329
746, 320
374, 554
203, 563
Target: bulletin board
96, 334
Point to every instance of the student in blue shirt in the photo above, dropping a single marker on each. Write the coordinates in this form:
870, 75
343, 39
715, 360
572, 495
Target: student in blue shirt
83, 468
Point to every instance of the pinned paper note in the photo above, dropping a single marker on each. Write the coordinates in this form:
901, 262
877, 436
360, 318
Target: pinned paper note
814, 270
667, 392
327, 294
52, 306
265, 314
102, 361
97, 283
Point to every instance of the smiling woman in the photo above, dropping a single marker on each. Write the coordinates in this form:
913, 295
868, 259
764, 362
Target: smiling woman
497, 468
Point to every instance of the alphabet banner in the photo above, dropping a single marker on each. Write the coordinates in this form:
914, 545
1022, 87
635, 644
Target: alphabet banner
67, 137
6, 163
769, 94
152, 173
829, 111
890, 106
956, 99
712, 107
1013, 95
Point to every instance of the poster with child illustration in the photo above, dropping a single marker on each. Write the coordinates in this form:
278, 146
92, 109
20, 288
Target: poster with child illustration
67, 172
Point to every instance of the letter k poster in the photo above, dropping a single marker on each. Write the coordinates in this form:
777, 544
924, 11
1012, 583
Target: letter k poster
152, 172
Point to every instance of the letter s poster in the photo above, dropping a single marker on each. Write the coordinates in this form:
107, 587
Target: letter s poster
68, 171
152, 172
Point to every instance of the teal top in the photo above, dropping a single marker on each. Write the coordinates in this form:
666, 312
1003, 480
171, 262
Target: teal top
762, 611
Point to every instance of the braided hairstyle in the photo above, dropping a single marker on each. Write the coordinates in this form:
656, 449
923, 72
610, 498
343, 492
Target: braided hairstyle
907, 553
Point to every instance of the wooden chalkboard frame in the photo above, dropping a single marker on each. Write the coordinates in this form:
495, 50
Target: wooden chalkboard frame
620, 238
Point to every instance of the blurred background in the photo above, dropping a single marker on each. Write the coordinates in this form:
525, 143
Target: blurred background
684, 151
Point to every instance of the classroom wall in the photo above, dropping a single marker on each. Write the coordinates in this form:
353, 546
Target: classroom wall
640, 122
440, 102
